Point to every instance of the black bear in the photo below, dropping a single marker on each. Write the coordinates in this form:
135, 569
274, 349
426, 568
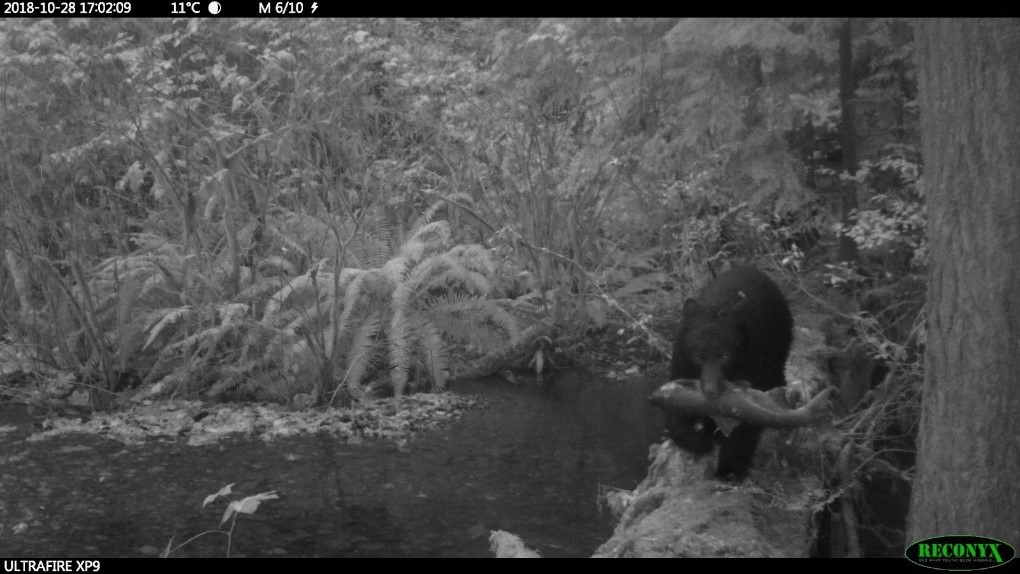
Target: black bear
738, 328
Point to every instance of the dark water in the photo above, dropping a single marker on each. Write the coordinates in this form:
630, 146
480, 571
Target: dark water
530, 463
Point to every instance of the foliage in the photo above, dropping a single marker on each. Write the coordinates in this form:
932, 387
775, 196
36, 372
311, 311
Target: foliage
892, 225
289, 208
246, 505
286, 336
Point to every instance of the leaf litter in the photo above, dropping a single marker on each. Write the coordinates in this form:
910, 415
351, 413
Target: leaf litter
199, 423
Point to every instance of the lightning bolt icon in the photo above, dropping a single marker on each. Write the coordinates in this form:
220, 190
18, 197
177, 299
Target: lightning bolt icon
315, 6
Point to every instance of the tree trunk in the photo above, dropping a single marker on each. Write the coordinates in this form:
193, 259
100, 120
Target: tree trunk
847, 137
969, 440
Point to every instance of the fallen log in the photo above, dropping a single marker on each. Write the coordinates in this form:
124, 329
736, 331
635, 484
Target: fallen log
742, 403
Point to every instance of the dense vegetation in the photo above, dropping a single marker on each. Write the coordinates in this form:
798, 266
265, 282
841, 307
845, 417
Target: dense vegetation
306, 211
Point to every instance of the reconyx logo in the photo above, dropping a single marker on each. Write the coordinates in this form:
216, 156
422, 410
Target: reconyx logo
960, 553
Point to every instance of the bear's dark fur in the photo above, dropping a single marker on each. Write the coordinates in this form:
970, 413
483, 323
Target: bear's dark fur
738, 328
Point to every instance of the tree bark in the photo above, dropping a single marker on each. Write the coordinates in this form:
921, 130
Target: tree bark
969, 440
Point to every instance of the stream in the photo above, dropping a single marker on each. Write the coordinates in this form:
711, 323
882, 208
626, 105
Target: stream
531, 462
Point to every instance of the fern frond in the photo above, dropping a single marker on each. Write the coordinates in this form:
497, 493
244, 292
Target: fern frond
153, 282
279, 321
309, 318
205, 338
413, 251
421, 275
445, 274
473, 317
210, 338
235, 376
361, 352
165, 386
261, 287
300, 284
229, 379
396, 268
373, 284
434, 237
400, 350
170, 275
457, 276
434, 352
169, 317
311, 312
485, 312
267, 388
370, 247
256, 339
483, 337
425, 218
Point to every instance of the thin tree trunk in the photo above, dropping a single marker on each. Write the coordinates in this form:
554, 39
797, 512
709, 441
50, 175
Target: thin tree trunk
847, 137
969, 440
